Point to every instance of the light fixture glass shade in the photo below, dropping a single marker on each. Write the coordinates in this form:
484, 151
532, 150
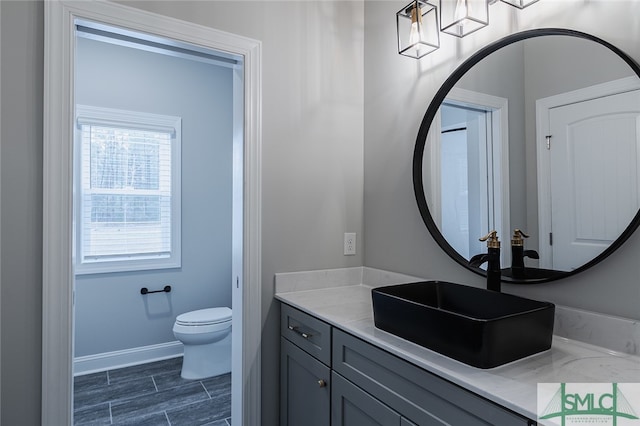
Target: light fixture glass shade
462, 17
417, 26
520, 4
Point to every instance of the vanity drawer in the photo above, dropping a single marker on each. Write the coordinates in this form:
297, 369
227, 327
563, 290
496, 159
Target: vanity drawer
422, 397
310, 334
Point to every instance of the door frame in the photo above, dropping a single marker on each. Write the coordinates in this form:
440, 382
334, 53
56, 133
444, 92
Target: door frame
57, 309
543, 107
499, 155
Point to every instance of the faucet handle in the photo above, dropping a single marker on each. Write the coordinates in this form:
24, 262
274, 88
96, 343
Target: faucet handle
517, 239
492, 239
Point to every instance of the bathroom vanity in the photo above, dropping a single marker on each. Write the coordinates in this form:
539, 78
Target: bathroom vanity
332, 377
338, 369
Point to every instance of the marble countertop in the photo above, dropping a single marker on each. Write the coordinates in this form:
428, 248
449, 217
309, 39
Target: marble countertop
512, 385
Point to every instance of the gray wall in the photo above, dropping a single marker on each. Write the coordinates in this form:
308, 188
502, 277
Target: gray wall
312, 99
21, 192
397, 93
201, 94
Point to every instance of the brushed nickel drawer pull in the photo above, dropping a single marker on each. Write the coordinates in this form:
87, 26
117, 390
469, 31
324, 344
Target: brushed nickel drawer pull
296, 330
322, 383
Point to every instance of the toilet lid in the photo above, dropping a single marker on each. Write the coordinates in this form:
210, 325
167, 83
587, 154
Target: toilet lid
204, 316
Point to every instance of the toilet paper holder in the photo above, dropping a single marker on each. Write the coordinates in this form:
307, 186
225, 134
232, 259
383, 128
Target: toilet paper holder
166, 289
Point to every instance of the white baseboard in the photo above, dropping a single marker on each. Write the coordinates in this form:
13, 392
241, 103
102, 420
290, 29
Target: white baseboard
109, 360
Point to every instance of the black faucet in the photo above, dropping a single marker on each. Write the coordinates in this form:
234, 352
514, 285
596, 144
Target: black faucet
492, 257
518, 254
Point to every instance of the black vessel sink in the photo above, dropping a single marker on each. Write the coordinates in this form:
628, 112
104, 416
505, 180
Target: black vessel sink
479, 327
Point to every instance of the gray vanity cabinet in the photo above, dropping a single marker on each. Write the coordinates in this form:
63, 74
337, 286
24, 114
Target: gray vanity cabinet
305, 374
305, 388
351, 406
418, 395
329, 377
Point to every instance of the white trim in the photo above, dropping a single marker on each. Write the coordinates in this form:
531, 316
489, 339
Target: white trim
237, 233
149, 43
250, 410
543, 106
499, 125
433, 173
0, 213
57, 276
118, 359
87, 114
57, 199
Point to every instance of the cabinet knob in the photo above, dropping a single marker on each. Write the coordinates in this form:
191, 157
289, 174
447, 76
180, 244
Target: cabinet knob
322, 383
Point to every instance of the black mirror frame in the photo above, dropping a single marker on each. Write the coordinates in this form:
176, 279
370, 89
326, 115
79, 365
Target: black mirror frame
418, 154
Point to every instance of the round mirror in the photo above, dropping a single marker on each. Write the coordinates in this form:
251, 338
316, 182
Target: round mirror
538, 132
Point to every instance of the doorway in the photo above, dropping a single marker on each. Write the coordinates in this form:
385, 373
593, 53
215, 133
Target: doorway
466, 188
153, 191
467, 167
60, 20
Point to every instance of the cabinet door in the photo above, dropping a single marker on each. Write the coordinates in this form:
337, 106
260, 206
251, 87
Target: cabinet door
304, 388
351, 406
421, 396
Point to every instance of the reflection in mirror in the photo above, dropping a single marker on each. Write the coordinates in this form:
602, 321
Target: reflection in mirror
463, 153
542, 135
468, 141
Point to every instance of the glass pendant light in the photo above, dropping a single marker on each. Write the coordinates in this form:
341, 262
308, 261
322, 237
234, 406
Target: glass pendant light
417, 27
417, 23
520, 4
462, 17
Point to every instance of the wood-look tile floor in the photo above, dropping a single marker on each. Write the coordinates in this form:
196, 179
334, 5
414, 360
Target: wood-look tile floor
151, 394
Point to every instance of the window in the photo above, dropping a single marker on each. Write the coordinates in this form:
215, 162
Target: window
128, 186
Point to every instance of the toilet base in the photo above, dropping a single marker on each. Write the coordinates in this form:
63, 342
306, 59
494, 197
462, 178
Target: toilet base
210, 360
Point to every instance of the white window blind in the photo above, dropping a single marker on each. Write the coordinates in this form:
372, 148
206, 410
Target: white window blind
128, 209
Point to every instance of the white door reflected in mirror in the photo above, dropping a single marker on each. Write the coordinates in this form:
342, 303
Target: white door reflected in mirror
593, 167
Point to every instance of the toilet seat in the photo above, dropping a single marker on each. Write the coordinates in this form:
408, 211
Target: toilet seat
203, 317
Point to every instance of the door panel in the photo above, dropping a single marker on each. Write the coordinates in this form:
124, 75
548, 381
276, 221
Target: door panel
351, 406
305, 384
594, 178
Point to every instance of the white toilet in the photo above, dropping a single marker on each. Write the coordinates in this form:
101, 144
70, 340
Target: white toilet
206, 336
